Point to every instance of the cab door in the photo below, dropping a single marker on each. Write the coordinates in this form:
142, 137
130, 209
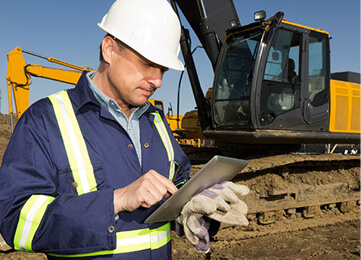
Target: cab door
317, 98
293, 88
280, 84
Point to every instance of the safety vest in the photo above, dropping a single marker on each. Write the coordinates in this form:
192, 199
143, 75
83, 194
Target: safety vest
84, 182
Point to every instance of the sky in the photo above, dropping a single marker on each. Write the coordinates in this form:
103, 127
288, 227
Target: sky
67, 30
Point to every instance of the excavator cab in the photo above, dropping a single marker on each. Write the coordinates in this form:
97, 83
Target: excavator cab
272, 75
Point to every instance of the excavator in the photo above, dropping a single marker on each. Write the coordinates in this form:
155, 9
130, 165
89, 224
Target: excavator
272, 80
273, 93
19, 75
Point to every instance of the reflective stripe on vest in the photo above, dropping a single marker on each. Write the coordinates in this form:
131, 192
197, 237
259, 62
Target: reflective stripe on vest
162, 130
30, 217
74, 143
134, 240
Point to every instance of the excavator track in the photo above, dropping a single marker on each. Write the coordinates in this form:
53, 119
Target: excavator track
290, 184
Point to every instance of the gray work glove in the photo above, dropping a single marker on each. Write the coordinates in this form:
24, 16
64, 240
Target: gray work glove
219, 202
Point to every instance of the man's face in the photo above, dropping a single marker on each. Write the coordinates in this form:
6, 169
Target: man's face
132, 78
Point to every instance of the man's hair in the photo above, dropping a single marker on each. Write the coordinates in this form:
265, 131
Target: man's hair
121, 44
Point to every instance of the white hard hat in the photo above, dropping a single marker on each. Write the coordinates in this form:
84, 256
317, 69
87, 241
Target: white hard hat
150, 27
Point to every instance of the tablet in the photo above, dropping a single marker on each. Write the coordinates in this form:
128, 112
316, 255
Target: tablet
217, 170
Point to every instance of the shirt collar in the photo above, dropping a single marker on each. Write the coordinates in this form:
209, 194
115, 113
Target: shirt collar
109, 103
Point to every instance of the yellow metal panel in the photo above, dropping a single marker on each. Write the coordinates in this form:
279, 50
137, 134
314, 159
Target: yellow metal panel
355, 119
345, 107
341, 112
174, 121
342, 91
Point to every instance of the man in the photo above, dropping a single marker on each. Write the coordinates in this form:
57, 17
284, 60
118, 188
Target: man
85, 167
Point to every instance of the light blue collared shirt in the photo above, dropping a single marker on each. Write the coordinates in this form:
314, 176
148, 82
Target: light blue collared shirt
131, 124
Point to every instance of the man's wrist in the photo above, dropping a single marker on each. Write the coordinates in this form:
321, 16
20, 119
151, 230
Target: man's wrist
117, 200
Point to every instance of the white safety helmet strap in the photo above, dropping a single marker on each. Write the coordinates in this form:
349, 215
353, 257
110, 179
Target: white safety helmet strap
150, 27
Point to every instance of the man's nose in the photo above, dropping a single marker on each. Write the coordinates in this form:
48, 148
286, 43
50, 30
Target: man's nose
156, 77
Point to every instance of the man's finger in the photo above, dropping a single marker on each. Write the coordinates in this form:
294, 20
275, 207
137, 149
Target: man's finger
161, 181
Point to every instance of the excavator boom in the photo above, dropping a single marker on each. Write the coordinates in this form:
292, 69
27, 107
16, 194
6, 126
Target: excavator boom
210, 20
19, 76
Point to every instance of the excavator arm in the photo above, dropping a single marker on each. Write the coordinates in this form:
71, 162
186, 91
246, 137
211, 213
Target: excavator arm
19, 77
209, 20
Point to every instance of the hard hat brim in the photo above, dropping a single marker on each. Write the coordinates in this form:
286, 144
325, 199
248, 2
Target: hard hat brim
163, 59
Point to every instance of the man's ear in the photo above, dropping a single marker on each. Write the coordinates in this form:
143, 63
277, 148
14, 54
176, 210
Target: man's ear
107, 49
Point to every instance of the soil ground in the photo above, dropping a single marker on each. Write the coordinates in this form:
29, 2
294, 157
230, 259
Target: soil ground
329, 235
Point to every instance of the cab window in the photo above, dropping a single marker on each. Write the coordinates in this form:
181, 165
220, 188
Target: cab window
317, 87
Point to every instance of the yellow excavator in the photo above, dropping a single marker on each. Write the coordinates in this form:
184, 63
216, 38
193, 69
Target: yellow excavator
19, 80
272, 81
19, 75
273, 93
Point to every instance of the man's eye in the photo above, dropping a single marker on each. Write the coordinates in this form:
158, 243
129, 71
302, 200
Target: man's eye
153, 65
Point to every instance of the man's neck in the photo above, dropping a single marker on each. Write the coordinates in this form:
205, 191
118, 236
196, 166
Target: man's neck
102, 84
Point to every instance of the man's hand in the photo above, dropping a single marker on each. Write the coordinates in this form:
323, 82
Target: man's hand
219, 202
146, 191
